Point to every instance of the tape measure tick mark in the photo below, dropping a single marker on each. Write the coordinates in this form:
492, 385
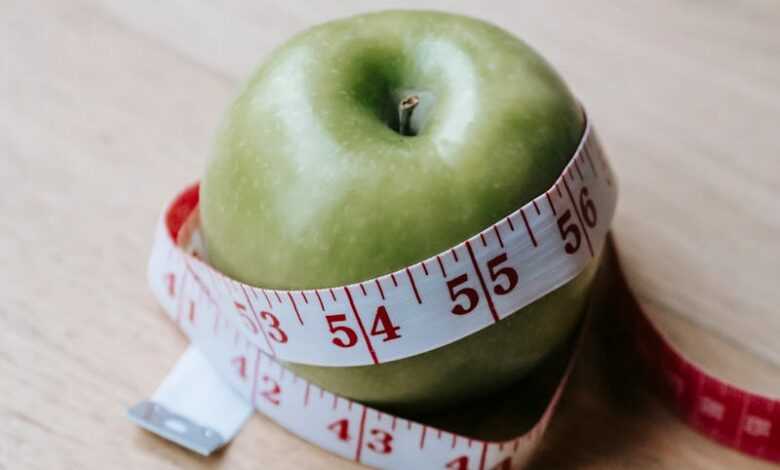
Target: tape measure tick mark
267, 299
295, 307
498, 236
360, 435
360, 325
414, 286
577, 167
586, 153
203, 287
528, 228
552, 206
488, 297
441, 266
379, 286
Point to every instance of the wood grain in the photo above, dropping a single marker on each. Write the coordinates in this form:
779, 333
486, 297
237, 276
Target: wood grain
108, 107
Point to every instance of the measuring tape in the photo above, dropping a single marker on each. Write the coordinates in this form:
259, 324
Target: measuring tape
239, 333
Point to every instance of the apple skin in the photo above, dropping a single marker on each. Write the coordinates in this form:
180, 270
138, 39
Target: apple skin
311, 187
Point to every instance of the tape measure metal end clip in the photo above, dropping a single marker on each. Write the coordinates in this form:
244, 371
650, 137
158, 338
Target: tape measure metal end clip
174, 427
193, 407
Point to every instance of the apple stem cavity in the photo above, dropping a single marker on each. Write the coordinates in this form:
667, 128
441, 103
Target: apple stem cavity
405, 109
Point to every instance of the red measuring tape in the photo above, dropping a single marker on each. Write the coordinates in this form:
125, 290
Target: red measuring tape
240, 332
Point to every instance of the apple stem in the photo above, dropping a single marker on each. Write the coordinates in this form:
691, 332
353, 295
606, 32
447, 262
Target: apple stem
405, 110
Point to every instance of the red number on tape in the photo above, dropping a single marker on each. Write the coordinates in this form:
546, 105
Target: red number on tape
241, 309
348, 336
276, 333
472, 298
341, 428
461, 463
507, 272
382, 319
570, 231
588, 208
567, 229
273, 393
240, 364
383, 442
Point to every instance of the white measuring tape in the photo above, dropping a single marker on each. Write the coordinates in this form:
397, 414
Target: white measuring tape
239, 332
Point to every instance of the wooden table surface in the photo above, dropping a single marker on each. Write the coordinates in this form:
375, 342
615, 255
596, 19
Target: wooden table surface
108, 107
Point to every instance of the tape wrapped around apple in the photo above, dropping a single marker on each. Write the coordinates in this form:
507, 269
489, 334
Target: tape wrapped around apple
367, 144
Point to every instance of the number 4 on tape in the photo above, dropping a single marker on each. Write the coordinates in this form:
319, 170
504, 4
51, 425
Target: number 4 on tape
177, 412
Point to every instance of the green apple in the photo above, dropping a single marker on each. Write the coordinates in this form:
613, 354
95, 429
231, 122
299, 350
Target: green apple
370, 143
